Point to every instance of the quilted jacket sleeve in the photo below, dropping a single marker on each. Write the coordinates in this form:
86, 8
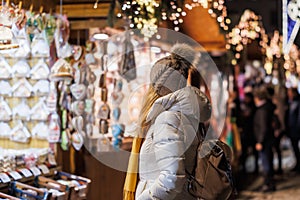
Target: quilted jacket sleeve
169, 148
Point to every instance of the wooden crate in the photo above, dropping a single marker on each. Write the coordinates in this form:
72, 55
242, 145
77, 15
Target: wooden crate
76, 192
24, 191
43, 182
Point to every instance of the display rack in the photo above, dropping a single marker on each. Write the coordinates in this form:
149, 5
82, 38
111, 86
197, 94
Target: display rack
47, 184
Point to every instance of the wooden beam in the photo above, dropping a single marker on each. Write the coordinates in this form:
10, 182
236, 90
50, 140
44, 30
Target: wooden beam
85, 10
86, 24
47, 5
93, 23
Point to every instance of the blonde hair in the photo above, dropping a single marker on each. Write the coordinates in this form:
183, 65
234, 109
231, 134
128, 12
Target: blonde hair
150, 97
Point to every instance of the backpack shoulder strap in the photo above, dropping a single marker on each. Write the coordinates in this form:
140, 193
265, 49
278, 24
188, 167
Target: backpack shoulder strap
200, 134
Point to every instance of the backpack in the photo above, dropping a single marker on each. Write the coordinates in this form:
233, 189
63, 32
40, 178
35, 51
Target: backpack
212, 175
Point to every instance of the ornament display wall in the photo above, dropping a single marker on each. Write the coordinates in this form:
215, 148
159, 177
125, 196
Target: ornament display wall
24, 79
24, 92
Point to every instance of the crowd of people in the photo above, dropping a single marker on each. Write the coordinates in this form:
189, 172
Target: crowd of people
262, 123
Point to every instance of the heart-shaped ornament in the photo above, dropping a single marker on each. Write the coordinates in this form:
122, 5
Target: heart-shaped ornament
78, 107
78, 91
77, 141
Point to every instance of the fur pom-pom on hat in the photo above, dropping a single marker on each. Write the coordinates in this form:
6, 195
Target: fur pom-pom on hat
184, 51
171, 72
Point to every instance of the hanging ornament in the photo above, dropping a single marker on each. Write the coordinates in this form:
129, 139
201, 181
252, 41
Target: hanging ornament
103, 144
64, 144
90, 102
77, 141
117, 131
77, 107
127, 65
54, 128
78, 91
61, 71
77, 136
103, 126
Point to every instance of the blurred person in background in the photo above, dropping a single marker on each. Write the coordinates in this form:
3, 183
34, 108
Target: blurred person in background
247, 137
264, 134
278, 133
293, 123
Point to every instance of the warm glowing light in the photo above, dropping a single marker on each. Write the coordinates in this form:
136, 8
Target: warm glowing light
100, 36
233, 62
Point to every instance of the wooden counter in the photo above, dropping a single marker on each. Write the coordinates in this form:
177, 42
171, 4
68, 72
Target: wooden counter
106, 182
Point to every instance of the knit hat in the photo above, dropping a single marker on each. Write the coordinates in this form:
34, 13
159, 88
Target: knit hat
170, 73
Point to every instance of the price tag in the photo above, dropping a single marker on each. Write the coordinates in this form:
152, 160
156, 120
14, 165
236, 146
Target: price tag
35, 171
15, 175
44, 169
26, 172
4, 178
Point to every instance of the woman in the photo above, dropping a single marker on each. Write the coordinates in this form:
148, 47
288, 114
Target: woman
169, 120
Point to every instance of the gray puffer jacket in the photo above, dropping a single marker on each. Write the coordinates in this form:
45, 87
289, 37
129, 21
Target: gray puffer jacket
170, 144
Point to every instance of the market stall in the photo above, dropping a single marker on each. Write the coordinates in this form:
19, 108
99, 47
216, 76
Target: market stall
72, 83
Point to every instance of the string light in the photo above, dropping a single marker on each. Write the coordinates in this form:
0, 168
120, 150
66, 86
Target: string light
145, 14
248, 29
